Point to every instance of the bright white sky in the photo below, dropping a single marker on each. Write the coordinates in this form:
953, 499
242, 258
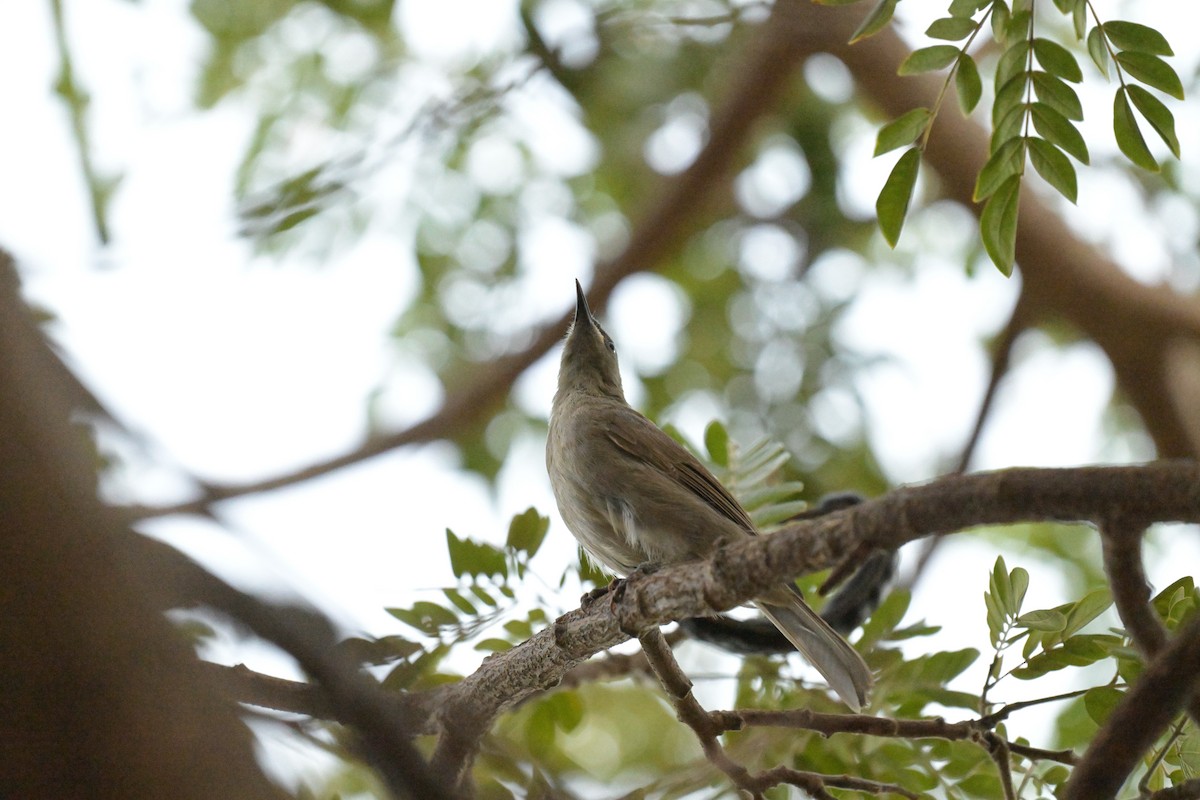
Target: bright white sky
239, 367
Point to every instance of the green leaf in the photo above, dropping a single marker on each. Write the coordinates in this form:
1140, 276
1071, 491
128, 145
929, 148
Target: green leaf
772, 494
1100, 702
458, 600
1054, 167
1043, 620
1000, 19
483, 595
1008, 127
1011, 95
951, 29
996, 619
1166, 599
1157, 114
493, 645
886, 617
472, 558
1152, 71
1014, 62
1059, 131
428, 618
1057, 60
928, 59
941, 668
874, 22
967, 83
1086, 609
1079, 18
1006, 161
1078, 651
1000, 588
1018, 582
966, 8
1137, 38
1019, 26
1129, 137
902, 131
998, 224
1098, 49
527, 531
892, 204
1055, 92
716, 442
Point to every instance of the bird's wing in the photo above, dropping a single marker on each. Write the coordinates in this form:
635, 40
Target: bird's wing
642, 440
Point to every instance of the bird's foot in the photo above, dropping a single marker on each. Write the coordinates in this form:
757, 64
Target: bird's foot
595, 594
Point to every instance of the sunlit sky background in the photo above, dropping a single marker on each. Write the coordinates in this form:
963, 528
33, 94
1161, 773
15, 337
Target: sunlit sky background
236, 366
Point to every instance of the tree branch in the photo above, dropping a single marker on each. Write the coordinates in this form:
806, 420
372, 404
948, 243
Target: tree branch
739, 572
754, 93
1140, 718
1131, 593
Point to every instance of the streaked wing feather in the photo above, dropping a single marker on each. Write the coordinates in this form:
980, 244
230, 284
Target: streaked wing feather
643, 441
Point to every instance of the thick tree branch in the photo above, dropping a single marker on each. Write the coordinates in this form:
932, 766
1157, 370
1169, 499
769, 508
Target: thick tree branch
1167, 491
99, 695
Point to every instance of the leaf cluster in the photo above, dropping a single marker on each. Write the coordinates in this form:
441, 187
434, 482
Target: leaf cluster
1035, 109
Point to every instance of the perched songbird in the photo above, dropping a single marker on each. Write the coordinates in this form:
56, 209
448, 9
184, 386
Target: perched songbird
632, 495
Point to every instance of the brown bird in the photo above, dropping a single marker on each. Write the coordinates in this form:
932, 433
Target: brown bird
632, 495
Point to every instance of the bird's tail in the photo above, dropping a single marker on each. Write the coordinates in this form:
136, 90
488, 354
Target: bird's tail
821, 646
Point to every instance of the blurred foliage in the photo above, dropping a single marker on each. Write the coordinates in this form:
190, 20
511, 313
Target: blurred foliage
516, 168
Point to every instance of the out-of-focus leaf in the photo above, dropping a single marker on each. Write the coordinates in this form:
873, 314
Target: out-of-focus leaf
1098, 49
716, 442
892, 204
1054, 167
928, 59
527, 531
998, 224
967, 84
428, 618
1005, 162
1100, 701
1129, 136
473, 558
876, 21
951, 29
1137, 38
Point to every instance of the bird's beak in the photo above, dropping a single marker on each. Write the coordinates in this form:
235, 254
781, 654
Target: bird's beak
582, 312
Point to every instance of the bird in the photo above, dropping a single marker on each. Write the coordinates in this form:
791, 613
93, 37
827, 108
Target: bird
632, 496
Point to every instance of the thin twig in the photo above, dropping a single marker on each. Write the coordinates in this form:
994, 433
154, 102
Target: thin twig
1018, 322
